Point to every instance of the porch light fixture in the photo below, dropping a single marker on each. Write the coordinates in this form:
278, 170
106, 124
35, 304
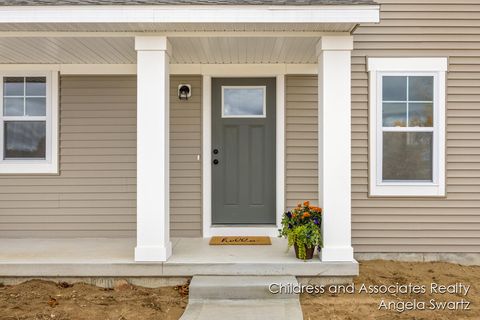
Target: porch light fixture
184, 91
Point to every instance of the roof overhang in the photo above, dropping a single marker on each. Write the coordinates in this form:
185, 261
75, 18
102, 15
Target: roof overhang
199, 34
190, 14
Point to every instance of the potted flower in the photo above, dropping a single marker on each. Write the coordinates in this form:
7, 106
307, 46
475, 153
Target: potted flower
302, 227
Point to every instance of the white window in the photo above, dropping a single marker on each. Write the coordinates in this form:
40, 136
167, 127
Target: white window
28, 122
243, 102
407, 126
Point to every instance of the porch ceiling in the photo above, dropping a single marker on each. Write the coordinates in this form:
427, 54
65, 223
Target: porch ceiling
186, 50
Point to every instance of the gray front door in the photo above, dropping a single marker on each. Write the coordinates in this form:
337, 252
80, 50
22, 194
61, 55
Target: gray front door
243, 151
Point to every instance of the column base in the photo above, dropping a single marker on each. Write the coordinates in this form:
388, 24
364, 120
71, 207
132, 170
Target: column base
153, 253
336, 254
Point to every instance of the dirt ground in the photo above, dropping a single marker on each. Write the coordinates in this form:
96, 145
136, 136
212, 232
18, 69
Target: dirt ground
41, 300
366, 306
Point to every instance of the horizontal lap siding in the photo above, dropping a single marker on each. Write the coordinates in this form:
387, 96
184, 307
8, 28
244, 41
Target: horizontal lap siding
409, 29
94, 194
301, 139
186, 167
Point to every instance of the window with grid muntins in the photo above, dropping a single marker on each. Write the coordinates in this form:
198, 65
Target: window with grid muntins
407, 126
28, 122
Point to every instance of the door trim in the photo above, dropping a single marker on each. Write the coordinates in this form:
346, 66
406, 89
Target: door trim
208, 229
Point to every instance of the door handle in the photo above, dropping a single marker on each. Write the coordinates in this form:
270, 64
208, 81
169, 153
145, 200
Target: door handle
215, 151
215, 161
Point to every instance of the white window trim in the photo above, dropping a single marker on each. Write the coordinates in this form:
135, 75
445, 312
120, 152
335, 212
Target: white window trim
32, 166
378, 67
264, 108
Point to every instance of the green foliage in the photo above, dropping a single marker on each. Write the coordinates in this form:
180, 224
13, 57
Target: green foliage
302, 227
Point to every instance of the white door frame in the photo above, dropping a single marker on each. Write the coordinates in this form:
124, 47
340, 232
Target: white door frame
208, 229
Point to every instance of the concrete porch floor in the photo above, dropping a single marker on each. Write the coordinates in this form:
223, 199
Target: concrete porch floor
191, 256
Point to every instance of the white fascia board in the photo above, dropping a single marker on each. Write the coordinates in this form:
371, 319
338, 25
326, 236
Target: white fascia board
190, 14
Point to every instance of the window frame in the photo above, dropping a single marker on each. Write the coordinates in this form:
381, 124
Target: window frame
263, 115
379, 67
49, 165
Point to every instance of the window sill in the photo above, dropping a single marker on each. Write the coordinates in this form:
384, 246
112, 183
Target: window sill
404, 190
29, 168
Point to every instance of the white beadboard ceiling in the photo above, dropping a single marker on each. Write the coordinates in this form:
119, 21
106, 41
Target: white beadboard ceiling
186, 50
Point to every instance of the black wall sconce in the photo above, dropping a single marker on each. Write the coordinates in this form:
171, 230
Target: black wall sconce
184, 91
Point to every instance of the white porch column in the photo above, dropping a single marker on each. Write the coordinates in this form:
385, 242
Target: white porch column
334, 162
153, 86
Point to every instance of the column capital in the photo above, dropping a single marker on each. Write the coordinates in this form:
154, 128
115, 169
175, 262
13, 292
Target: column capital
152, 43
334, 43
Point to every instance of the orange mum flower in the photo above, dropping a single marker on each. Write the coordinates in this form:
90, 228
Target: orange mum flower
306, 203
306, 215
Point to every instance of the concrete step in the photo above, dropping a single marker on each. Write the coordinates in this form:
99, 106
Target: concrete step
243, 309
240, 287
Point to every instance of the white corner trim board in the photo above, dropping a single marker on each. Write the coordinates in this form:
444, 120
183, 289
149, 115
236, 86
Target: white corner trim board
189, 14
280, 149
207, 156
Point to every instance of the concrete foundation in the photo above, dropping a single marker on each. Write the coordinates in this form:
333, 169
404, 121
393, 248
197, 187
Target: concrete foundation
467, 259
104, 282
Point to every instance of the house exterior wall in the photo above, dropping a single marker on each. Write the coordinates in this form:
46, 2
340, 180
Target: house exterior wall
301, 139
422, 28
185, 166
95, 193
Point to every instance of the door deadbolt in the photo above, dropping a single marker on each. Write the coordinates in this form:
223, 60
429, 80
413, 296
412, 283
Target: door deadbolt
215, 151
215, 161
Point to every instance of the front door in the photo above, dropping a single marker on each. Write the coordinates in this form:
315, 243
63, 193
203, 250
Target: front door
243, 151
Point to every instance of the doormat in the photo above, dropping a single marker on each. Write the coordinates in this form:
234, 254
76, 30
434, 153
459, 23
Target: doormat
239, 241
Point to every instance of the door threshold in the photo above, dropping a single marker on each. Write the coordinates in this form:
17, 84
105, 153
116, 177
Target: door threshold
244, 226
242, 230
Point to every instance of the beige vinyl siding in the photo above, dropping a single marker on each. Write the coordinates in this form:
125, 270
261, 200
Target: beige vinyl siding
185, 167
301, 145
417, 29
94, 194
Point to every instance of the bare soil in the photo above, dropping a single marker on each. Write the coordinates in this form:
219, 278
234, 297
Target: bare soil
366, 306
42, 300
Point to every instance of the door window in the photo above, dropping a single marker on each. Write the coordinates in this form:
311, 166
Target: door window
243, 102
